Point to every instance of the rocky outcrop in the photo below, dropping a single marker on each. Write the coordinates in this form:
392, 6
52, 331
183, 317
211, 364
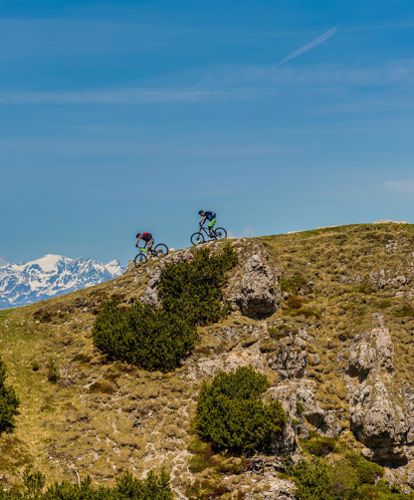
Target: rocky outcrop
377, 414
254, 289
379, 423
150, 296
290, 359
301, 405
388, 279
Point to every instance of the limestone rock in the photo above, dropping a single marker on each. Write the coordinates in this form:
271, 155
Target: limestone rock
299, 402
378, 416
254, 290
361, 360
290, 359
379, 423
374, 351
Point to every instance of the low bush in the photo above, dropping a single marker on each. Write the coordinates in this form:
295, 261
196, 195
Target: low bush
194, 288
154, 487
150, 338
231, 415
9, 403
351, 478
320, 446
296, 284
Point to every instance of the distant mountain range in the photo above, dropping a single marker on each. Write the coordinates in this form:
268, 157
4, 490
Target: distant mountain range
49, 276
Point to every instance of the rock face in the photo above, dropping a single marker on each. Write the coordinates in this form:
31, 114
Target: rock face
254, 290
301, 404
377, 414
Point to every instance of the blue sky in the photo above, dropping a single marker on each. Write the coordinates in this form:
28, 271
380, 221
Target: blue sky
127, 115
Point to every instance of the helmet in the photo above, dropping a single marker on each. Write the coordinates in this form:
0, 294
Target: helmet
201, 212
138, 235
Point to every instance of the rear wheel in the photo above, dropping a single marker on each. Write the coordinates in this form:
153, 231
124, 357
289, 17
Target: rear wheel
140, 259
220, 233
160, 250
197, 238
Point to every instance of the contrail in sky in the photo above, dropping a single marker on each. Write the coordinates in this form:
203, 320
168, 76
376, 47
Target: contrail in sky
311, 45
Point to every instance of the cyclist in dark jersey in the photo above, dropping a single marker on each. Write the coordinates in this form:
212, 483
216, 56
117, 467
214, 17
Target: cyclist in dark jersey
211, 217
147, 238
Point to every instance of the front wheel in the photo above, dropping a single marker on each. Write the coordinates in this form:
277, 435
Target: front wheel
197, 238
220, 233
160, 250
140, 259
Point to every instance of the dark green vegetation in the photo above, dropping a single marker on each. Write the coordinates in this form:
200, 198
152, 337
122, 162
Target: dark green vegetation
8, 402
351, 477
160, 338
193, 288
143, 335
154, 487
232, 416
320, 446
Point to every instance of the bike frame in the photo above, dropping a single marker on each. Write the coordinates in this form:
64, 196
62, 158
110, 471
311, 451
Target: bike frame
202, 228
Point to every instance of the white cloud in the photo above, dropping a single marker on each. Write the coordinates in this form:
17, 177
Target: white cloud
311, 45
129, 96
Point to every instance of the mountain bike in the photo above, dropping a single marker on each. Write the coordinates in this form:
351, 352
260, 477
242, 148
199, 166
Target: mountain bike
202, 235
144, 254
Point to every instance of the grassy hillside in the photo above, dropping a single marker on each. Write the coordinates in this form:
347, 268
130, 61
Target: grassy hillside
81, 414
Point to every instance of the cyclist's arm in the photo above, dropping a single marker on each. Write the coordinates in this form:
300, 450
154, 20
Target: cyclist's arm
201, 223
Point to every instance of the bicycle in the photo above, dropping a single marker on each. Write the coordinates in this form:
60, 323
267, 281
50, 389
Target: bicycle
144, 254
218, 234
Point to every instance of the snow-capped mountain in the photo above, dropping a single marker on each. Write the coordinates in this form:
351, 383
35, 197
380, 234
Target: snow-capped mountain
52, 275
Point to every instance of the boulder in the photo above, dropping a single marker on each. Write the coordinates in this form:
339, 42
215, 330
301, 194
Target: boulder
379, 423
254, 289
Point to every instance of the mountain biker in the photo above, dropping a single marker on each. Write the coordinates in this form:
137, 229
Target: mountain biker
147, 238
211, 217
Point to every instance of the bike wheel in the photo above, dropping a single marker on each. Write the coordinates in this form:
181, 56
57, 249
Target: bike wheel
197, 238
140, 259
220, 233
160, 250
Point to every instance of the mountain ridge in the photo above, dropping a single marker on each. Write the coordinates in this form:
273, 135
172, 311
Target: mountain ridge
50, 276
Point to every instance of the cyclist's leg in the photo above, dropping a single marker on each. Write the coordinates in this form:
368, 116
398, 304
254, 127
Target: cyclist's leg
149, 245
210, 227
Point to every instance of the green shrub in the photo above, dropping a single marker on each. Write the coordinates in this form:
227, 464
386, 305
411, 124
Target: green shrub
154, 487
312, 480
368, 472
320, 446
231, 415
351, 478
9, 403
151, 338
294, 284
194, 288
